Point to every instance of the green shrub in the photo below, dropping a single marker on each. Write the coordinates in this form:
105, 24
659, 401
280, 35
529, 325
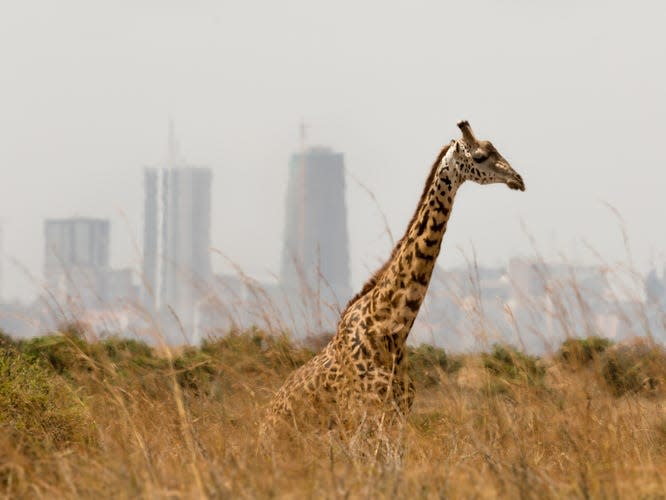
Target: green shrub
128, 355
254, 350
633, 368
249, 343
195, 371
121, 349
583, 351
427, 363
64, 352
38, 407
507, 362
6, 342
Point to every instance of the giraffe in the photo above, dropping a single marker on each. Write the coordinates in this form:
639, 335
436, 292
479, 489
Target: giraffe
364, 363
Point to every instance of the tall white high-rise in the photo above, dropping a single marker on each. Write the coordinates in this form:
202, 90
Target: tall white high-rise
176, 257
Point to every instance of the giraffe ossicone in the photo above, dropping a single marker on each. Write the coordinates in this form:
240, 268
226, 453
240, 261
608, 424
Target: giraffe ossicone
364, 364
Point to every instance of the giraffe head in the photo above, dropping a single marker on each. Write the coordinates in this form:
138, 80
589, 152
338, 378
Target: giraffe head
480, 162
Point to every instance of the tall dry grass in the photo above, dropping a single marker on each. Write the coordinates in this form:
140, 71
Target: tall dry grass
116, 418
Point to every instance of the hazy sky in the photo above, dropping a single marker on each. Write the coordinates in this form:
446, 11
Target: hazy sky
572, 93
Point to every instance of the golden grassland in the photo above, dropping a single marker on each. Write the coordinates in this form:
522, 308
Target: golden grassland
115, 418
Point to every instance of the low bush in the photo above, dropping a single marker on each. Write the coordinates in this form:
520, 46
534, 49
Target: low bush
195, 371
37, 407
121, 349
64, 352
428, 363
638, 367
256, 350
582, 351
6, 342
507, 362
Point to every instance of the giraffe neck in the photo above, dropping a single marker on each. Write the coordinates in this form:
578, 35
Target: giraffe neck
402, 287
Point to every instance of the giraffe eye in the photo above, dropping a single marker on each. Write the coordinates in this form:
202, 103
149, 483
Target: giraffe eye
479, 155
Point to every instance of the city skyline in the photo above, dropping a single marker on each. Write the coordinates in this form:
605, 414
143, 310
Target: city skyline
174, 159
475, 299
581, 117
176, 279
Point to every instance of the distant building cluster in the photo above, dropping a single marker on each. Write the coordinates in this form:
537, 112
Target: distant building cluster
176, 297
77, 273
175, 291
314, 278
536, 305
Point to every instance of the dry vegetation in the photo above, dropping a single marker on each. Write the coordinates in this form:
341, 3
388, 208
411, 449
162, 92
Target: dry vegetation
113, 418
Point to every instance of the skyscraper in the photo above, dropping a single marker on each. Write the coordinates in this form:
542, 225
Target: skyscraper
176, 259
315, 256
76, 258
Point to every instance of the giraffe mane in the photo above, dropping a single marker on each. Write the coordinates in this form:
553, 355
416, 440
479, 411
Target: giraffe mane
376, 277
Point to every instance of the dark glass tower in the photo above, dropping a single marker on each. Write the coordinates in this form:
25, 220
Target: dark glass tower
315, 256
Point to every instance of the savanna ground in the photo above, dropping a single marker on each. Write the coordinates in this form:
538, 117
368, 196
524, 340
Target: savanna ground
116, 418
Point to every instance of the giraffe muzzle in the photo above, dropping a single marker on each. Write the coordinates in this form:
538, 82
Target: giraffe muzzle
516, 182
